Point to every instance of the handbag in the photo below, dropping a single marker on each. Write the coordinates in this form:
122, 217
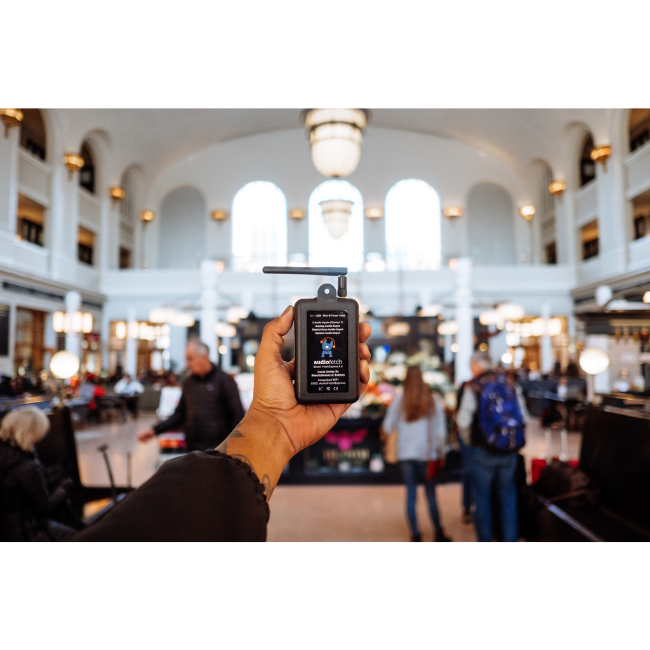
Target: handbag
390, 448
434, 467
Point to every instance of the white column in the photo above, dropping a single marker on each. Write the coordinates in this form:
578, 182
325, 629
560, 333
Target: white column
63, 222
49, 340
131, 353
105, 337
209, 298
225, 358
565, 230
449, 355
464, 319
546, 346
8, 185
73, 339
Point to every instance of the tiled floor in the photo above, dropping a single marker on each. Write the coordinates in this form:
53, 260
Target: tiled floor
305, 513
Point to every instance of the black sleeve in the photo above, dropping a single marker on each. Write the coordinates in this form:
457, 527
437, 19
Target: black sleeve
176, 420
232, 401
33, 484
204, 496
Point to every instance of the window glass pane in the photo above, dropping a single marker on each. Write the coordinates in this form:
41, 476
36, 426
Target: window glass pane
259, 227
412, 226
325, 250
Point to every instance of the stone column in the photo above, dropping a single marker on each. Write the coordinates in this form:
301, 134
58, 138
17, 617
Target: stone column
226, 356
131, 353
464, 319
209, 298
546, 346
72, 338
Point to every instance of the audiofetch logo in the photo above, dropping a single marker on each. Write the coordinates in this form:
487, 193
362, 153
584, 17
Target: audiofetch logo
327, 345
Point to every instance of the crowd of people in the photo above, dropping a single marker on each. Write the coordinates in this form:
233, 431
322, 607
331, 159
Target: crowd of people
488, 428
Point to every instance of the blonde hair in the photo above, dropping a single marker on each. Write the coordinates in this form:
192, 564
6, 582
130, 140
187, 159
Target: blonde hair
24, 427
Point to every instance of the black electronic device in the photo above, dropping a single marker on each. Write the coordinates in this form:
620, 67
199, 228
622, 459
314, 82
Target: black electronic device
327, 340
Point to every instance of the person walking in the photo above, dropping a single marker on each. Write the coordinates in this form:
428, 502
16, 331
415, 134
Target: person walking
209, 407
418, 420
488, 402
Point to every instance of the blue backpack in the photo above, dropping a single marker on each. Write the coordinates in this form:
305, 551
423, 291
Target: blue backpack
499, 416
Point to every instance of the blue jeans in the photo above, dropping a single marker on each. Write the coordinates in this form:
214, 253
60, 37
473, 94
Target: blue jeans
466, 455
413, 473
494, 471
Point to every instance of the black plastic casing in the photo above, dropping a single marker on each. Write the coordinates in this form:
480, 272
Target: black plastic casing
327, 300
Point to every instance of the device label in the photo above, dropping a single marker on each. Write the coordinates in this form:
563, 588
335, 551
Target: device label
327, 352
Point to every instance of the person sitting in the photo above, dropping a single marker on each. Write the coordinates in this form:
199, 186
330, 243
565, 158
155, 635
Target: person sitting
130, 389
222, 494
26, 506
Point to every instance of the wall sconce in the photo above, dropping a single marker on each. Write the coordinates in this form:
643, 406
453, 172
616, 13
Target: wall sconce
117, 194
374, 213
527, 212
453, 212
77, 322
147, 216
297, 214
601, 154
220, 215
10, 117
74, 162
556, 188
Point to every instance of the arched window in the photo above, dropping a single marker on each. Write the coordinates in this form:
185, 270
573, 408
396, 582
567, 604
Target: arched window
412, 226
490, 225
259, 226
587, 165
32, 132
87, 172
325, 250
639, 127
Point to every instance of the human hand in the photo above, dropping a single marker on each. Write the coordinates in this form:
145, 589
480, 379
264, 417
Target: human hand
274, 397
276, 427
145, 436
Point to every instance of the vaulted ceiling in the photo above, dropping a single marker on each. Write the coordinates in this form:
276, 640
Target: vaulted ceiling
154, 138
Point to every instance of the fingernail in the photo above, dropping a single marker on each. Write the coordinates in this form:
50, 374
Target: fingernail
287, 309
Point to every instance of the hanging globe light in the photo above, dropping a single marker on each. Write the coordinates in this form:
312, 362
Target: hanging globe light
64, 364
336, 213
335, 135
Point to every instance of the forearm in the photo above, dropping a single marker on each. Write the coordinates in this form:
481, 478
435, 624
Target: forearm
261, 443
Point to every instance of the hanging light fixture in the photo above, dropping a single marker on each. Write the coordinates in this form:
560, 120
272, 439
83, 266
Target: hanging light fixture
509, 311
594, 361
335, 135
336, 213
10, 117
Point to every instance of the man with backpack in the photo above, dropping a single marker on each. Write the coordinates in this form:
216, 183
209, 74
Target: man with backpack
491, 421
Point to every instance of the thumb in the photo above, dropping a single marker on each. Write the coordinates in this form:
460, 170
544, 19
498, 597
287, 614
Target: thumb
272, 337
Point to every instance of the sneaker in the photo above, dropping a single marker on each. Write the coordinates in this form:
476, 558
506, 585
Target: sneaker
441, 537
416, 538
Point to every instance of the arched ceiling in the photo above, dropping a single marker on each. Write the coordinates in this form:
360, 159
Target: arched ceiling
156, 138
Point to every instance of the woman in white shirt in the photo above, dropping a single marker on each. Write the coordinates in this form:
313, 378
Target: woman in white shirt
418, 419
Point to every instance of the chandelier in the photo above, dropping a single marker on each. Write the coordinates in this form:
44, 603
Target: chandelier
336, 213
335, 135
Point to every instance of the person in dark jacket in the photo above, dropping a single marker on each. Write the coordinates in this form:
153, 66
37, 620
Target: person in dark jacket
209, 408
222, 495
26, 506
